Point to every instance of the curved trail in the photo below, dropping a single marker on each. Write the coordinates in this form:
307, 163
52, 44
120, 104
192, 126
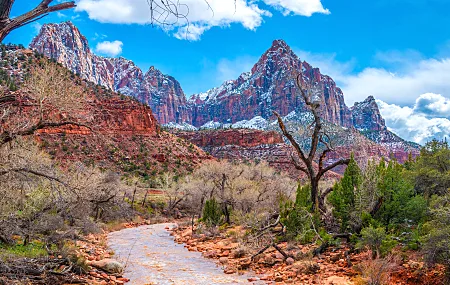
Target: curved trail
152, 257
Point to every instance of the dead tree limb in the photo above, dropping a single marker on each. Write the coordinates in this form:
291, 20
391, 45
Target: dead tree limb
43, 9
274, 245
317, 136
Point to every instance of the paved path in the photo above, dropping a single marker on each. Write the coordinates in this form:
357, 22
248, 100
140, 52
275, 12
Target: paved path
152, 257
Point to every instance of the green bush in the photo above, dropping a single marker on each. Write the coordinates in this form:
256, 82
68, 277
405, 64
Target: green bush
343, 196
296, 217
436, 246
212, 213
376, 240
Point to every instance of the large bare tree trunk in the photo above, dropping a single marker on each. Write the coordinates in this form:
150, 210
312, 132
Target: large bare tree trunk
305, 162
43, 9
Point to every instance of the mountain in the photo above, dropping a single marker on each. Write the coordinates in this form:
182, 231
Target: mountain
368, 120
366, 116
267, 87
64, 43
270, 86
123, 134
246, 102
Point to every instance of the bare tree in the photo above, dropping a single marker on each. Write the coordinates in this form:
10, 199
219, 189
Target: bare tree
305, 161
7, 24
244, 189
53, 94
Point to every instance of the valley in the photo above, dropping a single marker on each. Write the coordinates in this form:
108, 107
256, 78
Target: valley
109, 175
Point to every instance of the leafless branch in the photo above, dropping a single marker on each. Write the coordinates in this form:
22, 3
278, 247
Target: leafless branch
7, 24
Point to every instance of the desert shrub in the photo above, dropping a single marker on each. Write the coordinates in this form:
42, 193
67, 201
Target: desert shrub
384, 198
296, 221
300, 224
241, 190
437, 241
212, 213
37, 199
376, 240
376, 271
343, 196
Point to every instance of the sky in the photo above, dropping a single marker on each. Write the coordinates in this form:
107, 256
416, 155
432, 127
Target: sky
396, 50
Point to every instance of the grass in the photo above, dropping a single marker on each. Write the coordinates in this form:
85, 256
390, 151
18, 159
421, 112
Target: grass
34, 249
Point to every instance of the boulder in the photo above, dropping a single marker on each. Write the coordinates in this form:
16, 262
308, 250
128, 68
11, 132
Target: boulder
108, 265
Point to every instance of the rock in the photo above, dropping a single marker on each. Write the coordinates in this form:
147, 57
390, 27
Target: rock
186, 233
335, 258
268, 86
269, 260
366, 115
229, 270
245, 263
290, 261
108, 265
337, 280
415, 265
278, 278
64, 43
210, 254
223, 260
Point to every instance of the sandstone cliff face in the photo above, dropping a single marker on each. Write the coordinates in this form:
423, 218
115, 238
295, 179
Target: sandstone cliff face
64, 43
244, 137
366, 116
368, 120
270, 87
114, 132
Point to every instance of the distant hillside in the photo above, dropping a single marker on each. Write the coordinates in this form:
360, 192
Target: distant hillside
124, 134
246, 102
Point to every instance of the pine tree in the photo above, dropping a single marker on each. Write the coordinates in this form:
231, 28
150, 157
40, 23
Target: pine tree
343, 196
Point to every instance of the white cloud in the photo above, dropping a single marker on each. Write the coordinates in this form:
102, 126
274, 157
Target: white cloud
403, 78
200, 15
109, 48
61, 15
412, 125
298, 7
413, 92
231, 69
98, 36
328, 64
37, 26
434, 105
400, 86
191, 32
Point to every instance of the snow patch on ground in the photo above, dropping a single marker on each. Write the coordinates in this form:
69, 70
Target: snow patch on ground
258, 123
182, 126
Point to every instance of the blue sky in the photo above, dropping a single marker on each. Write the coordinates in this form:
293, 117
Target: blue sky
396, 50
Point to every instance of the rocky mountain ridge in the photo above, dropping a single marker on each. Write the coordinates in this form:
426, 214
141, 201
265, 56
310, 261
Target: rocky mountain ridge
115, 132
267, 87
65, 44
270, 86
247, 102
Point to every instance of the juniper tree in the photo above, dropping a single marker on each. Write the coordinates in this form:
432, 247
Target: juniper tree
343, 196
